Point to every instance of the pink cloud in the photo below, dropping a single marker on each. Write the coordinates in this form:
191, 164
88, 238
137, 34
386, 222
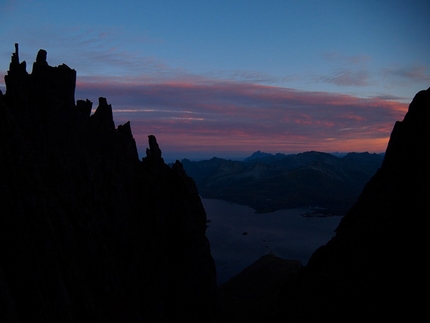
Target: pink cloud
211, 116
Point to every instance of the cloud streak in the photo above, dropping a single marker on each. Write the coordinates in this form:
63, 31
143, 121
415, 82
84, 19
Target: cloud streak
349, 70
415, 74
233, 114
337, 57
213, 116
347, 77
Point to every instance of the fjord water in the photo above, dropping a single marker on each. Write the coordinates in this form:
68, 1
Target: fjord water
239, 236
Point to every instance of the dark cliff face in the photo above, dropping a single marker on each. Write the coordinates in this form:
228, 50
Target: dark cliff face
375, 266
88, 232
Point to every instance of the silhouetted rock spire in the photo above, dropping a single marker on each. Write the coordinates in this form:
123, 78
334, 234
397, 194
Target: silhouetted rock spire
15, 66
41, 57
51, 83
16, 78
153, 151
15, 58
88, 232
102, 119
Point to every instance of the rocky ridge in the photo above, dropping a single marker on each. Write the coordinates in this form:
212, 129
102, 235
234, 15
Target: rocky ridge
88, 232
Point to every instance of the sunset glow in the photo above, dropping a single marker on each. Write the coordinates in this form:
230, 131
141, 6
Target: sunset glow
235, 119
227, 78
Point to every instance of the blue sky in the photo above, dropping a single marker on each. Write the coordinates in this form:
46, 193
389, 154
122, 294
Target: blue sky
226, 78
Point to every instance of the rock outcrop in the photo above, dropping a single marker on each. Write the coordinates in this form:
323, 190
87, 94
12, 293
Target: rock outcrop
88, 232
375, 267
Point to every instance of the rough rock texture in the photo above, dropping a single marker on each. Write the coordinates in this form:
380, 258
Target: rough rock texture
375, 267
88, 232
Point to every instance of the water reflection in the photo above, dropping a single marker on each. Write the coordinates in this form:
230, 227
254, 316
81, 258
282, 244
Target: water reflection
239, 236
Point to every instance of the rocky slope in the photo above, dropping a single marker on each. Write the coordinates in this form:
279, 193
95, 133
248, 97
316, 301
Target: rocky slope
375, 267
88, 232
251, 295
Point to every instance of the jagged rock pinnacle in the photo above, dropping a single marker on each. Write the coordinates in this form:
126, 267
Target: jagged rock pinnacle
15, 56
87, 231
41, 57
154, 151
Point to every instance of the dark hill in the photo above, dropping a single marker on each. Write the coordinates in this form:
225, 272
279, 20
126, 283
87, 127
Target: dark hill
375, 267
250, 295
271, 182
88, 232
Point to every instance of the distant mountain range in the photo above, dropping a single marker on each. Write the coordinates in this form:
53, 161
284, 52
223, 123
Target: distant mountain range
375, 267
269, 182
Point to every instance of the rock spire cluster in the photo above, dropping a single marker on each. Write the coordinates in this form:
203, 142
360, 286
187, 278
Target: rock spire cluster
88, 232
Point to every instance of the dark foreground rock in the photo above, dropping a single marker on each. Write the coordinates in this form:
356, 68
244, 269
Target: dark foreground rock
88, 232
375, 268
251, 295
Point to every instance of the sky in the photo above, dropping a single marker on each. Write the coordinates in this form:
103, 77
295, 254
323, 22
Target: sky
227, 78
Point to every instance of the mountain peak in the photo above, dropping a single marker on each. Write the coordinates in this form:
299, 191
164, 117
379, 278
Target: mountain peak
257, 155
